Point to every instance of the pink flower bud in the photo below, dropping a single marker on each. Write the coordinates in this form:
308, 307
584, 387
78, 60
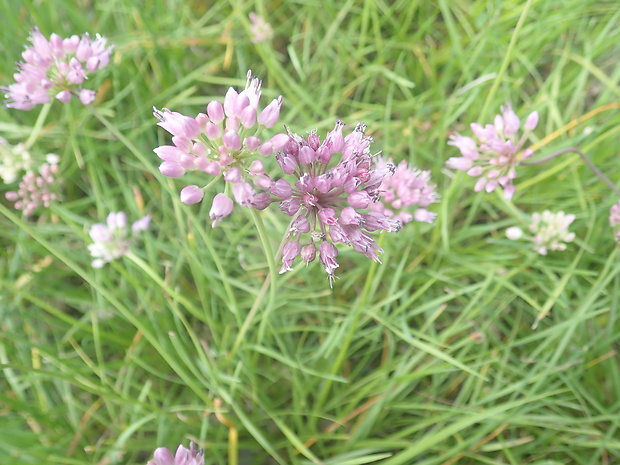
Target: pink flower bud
281, 188
269, 116
233, 175
248, 117
279, 141
531, 122
64, 96
215, 110
222, 207
171, 169
213, 131
229, 101
87, 96
251, 143
306, 155
359, 199
308, 253
232, 141
191, 195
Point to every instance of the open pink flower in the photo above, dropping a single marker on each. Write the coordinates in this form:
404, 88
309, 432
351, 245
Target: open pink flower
223, 144
335, 182
56, 68
496, 151
405, 195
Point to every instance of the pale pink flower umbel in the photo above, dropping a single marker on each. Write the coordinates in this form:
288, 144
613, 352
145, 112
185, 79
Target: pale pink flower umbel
223, 143
37, 189
408, 189
260, 29
549, 231
495, 152
56, 68
113, 239
183, 456
614, 220
335, 184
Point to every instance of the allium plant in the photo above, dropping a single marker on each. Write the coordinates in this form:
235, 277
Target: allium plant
614, 220
183, 456
56, 68
495, 152
549, 231
223, 143
37, 189
407, 189
13, 160
260, 29
335, 183
113, 239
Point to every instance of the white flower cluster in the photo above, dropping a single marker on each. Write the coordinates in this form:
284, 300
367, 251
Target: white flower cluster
549, 231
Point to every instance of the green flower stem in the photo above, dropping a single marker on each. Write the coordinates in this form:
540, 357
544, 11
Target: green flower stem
585, 159
268, 283
38, 125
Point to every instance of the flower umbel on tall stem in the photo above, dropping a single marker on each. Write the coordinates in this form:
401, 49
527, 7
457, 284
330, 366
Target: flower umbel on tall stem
335, 184
496, 151
56, 68
614, 220
223, 143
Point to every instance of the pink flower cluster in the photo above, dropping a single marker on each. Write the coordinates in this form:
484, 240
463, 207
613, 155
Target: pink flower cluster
335, 185
56, 68
183, 456
222, 143
36, 189
260, 29
496, 152
406, 188
112, 240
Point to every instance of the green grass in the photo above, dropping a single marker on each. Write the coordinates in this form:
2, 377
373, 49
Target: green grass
427, 358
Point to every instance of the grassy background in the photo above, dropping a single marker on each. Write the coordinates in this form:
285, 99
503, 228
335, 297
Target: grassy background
428, 358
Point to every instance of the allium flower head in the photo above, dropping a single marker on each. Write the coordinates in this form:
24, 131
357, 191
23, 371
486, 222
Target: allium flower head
56, 67
614, 220
183, 456
113, 239
335, 184
260, 29
495, 152
13, 160
37, 189
549, 231
407, 189
223, 143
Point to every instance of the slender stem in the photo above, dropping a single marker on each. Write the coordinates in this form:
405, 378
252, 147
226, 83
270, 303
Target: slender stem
268, 283
585, 159
38, 125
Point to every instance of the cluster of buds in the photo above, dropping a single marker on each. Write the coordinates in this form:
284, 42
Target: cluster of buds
13, 160
36, 189
222, 143
614, 220
329, 202
406, 189
259, 28
56, 68
113, 240
549, 231
183, 456
496, 152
